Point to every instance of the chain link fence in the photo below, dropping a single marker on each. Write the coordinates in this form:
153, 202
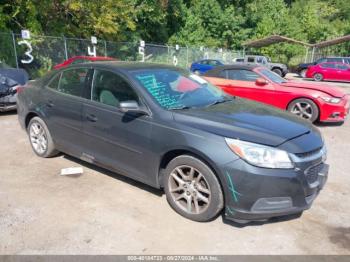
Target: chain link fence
40, 54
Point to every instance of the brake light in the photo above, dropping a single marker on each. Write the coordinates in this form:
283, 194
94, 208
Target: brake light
19, 89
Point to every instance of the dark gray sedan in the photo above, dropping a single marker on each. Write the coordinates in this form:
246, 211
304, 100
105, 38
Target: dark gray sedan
171, 129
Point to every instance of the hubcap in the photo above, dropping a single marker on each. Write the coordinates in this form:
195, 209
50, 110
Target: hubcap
318, 77
303, 109
189, 189
38, 138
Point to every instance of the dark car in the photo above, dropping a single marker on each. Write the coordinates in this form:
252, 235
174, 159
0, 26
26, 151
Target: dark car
201, 66
171, 129
11, 80
302, 68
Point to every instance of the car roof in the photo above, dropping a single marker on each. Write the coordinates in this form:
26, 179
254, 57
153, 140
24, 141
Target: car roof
232, 66
338, 63
128, 66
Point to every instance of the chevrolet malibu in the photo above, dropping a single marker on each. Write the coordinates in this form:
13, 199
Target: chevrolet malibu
173, 130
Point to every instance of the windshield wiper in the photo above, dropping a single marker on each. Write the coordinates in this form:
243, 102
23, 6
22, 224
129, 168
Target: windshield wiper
180, 108
220, 101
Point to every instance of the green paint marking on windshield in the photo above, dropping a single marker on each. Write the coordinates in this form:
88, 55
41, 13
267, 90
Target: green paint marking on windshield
158, 90
234, 193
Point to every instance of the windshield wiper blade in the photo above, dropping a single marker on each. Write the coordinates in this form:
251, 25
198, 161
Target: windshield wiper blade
180, 108
224, 100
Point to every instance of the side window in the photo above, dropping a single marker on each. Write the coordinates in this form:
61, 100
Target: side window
54, 82
342, 67
259, 60
72, 81
242, 75
319, 61
111, 89
327, 65
213, 62
223, 74
334, 59
251, 60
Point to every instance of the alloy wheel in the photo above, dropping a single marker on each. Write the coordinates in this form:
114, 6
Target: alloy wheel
318, 77
303, 109
38, 138
189, 189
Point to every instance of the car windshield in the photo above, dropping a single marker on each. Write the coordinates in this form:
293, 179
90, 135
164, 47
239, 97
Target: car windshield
273, 76
177, 89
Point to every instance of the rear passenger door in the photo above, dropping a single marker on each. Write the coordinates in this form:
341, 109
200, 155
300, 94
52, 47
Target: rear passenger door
114, 139
63, 107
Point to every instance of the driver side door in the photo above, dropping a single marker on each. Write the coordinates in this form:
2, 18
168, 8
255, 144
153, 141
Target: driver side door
117, 140
242, 83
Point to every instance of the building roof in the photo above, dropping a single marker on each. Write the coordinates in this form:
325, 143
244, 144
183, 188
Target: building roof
273, 39
335, 41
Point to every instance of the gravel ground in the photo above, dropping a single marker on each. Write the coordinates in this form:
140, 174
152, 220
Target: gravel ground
100, 212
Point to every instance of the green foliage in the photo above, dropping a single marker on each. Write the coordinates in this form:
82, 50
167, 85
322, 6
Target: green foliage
210, 23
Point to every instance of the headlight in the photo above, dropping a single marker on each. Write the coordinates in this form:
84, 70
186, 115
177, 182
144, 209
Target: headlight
331, 100
259, 155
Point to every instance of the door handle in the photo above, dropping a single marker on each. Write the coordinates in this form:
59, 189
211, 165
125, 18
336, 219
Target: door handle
50, 103
91, 118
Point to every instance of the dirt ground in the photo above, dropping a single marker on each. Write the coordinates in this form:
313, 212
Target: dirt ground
100, 212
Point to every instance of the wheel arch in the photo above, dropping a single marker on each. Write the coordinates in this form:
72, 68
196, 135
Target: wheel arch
29, 117
173, 153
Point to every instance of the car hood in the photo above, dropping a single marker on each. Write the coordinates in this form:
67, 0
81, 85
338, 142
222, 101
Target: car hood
330, 90
246, 120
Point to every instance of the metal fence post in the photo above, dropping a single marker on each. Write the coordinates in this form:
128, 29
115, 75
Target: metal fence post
105, 48
14, 48
187, 56
65, 47
306, 55
312, 54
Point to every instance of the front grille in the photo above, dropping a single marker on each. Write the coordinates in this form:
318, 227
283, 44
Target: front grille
309, 154
312, 173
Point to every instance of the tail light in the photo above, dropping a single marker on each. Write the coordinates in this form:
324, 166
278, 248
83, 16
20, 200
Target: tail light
19, 89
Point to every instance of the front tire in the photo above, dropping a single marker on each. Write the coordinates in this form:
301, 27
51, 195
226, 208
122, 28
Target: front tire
277, 71
40, 138
192, 189
304, 108
318, 77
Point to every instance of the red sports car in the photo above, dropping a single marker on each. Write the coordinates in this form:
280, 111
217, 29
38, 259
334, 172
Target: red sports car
329, 71
308, 100
82, 59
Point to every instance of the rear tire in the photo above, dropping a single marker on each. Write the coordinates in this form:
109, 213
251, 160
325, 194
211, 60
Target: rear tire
304, 108
192, 189
40, 138
277, 71
318, 77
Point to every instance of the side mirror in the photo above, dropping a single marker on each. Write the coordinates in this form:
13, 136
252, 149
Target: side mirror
132, 107
261, 82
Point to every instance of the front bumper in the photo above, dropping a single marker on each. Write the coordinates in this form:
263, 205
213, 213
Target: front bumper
254, 193
335, 112
8, 103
